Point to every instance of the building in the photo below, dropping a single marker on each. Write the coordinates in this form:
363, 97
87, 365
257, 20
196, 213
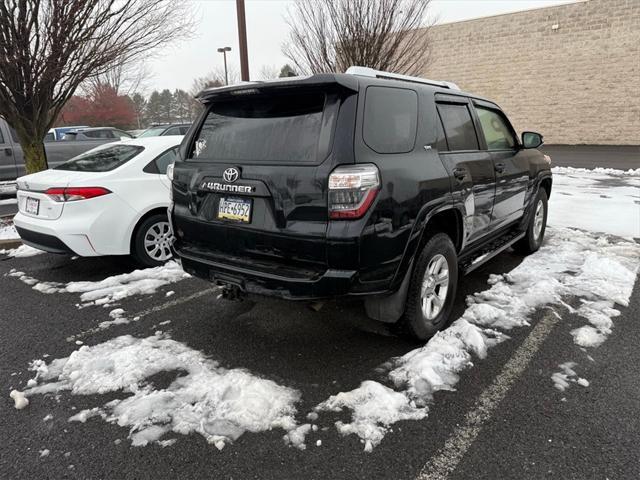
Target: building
570, 72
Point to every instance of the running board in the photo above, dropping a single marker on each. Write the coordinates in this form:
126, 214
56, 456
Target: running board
490, 251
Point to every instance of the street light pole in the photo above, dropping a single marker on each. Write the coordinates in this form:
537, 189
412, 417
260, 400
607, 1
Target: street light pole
242, 37
223, 51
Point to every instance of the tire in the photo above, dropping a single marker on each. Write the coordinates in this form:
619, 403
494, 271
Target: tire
152, 240
536, 227
420, 321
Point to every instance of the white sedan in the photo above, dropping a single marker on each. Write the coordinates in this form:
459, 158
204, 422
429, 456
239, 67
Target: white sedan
111, 200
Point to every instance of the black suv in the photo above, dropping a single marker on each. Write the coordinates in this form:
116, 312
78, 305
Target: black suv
365, 183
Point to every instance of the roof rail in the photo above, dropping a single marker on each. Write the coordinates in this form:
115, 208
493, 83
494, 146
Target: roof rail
370, 72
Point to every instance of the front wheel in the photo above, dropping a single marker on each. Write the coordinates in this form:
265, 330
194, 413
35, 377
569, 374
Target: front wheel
534, 235
151, 244
433, 288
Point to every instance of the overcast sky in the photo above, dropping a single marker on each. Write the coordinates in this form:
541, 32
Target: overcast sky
178, 65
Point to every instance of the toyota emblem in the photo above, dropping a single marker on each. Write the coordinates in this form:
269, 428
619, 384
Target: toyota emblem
231, 174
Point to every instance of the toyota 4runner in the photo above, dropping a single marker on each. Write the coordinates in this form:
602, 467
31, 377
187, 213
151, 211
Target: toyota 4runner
366, 183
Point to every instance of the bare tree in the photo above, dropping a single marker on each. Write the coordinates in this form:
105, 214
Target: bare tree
126, 78
332, 35
49, 47
268, 72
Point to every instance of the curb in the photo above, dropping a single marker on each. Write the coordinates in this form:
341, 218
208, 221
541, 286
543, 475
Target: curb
10, 243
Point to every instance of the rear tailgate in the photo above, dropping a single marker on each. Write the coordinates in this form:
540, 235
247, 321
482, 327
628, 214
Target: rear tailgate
253, 189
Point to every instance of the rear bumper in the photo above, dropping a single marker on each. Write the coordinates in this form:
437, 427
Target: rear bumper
42, 241
331, 283
48, 236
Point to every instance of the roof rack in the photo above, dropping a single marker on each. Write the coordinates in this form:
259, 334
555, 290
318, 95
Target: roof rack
370, 72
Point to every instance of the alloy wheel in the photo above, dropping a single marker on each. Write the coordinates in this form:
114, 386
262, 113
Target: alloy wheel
157, 241
435, 285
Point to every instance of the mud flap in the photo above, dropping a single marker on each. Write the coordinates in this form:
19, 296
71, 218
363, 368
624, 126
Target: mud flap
389, 308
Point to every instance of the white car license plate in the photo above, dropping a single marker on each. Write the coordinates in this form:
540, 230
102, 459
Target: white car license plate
32, 206
236, 209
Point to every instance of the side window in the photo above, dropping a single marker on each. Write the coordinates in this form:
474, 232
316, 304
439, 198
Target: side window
1, 137
497, 132
458, 126
390, 119
160, 163
172, 131
184, 130
49, 137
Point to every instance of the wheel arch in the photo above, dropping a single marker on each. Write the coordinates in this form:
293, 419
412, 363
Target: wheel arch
445, 219
161, 210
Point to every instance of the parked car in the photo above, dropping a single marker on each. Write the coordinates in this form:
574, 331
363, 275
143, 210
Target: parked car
171, 129
111, 200
93, 133
56, 134
12, 160
135, 133
368, 184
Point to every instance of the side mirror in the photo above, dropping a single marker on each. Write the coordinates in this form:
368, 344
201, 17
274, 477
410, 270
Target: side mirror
531, 139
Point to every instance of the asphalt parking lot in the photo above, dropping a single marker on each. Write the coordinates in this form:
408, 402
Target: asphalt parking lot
500, 423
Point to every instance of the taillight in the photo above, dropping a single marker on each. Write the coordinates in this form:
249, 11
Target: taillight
352, 190
71, 194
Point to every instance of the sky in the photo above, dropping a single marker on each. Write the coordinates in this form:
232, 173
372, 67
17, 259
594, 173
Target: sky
176, 66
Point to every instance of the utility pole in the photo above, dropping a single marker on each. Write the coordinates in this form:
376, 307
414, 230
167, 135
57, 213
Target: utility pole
242, 37
223, 51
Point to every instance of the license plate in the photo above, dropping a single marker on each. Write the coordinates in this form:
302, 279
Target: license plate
236, 209
32, 206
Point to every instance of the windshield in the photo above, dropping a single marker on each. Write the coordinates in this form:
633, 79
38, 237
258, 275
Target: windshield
289, 128
152, 132
103, 160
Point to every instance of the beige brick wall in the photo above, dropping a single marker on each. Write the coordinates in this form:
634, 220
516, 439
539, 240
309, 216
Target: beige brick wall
577, 84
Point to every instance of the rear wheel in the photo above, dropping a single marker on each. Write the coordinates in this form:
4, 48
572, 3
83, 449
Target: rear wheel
433, 288
152, 241
534, 235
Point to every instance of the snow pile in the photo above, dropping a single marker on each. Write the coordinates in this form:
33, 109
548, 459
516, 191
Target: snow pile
600, 200
205, 398
22, 251
19, 399
112, 289
375, 407
562, 379
572, 263
8, 231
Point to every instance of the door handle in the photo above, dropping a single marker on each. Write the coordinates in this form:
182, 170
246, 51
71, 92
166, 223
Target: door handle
499, 167
459, 173
8, 152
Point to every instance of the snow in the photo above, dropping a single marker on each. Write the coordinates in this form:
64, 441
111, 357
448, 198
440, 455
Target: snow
219, 404
22, 251
8, 231
19, 399
44, 453
599, 270
567, 375
9, 201
600, 200
112, 289
47, 418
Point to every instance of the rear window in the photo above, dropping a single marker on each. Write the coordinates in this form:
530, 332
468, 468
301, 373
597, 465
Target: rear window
278, 128
103, 160
390, 119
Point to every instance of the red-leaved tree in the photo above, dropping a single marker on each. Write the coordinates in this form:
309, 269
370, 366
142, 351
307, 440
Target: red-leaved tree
102, 107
